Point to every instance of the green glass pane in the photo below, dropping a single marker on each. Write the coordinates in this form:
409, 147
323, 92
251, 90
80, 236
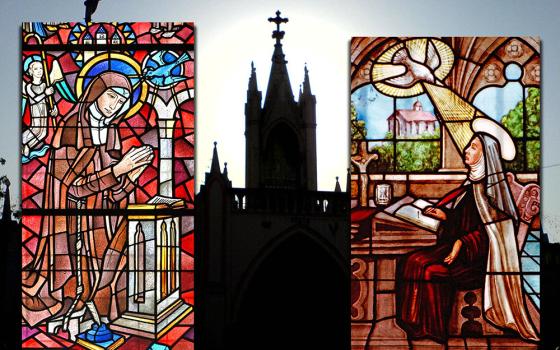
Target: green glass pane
513, 120
385, 159
533, 155
533, 111
419, 156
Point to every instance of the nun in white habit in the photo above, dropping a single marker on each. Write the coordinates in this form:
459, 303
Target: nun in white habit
477, 247
504, 304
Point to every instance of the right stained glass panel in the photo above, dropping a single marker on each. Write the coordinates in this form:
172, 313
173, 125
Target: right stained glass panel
445, 194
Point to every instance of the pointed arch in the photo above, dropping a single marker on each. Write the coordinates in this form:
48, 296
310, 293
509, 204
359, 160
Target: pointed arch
298, 277
272, 246
139, 264
282, 158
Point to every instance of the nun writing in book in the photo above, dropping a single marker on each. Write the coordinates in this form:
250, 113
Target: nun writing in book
476, 247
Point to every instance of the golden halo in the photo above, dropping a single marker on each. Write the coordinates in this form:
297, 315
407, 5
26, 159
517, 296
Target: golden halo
383, 68
105, 56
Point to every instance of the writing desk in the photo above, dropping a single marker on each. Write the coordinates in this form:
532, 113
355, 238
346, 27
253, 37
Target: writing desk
374, 262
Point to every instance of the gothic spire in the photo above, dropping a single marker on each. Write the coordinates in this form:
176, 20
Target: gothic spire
306, 83
253, 79
337, 186
279, 87
215, 168
225, 173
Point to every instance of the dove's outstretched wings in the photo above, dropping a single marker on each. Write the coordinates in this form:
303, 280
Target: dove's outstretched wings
415, 71
432, 58
407, 79
158, 58
163, 75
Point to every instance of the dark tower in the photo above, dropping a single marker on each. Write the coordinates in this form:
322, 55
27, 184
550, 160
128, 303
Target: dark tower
271, 256
280, 136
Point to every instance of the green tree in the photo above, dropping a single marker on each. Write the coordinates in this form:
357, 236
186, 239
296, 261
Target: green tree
513, 121
418, 156
359, 131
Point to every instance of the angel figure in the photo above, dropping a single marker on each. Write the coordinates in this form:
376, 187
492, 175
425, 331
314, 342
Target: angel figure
38, 93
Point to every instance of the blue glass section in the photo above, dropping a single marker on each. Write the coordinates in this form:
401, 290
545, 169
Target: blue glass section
534, 296
169, 57
134, 81
135, 95
102, 345
532, 248
99, 68
122, 67
74, 54
529, 264
498, 101
531, 238
374, 108
86, 82
151, 63
534, 281
513, 71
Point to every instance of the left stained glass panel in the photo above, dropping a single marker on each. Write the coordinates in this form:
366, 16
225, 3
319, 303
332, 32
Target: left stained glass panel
108, 185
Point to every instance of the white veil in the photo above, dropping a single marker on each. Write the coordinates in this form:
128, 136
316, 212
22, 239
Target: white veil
504, 303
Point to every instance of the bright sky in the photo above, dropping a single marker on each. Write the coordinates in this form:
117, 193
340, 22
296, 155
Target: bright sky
375, 108
230, 34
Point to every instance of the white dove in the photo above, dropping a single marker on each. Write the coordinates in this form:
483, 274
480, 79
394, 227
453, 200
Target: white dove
415, 71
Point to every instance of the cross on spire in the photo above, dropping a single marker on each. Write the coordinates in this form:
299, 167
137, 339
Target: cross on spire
278, 34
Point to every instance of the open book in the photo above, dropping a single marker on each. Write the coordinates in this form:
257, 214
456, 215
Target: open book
171, 202
413, 213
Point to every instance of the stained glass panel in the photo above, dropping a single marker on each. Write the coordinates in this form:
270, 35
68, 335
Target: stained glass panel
108, 185
445, 195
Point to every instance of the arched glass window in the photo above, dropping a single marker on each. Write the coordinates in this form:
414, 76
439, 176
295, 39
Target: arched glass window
517, 106
403, 132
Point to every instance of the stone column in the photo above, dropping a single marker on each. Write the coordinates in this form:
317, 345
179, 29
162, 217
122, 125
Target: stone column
166, 157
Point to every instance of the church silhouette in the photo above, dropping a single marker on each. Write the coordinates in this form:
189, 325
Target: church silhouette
273, 258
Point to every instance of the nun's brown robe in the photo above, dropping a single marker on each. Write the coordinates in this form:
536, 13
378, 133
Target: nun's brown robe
79, 173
